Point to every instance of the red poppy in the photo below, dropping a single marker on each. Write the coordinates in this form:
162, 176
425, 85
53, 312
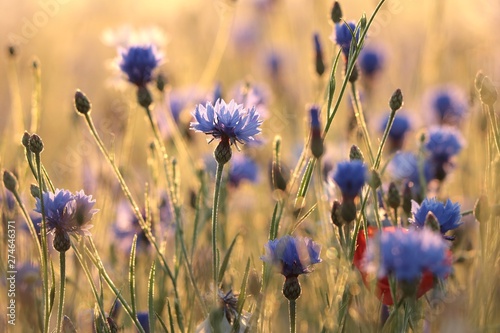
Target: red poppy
383, 291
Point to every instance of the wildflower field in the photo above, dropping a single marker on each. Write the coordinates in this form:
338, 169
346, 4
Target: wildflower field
249, 166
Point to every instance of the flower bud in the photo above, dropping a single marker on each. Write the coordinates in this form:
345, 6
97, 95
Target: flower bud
254, 283
317, 148
62, 241
161, 81
348, 211
482, 209
26, 139
319, 62
10, 181
35, 144
407, 197
336, 215
478, 81
336, 12
396, 101
35, 191
82, 103
488, 92
393, 197
12, 51
375, 180
356, 154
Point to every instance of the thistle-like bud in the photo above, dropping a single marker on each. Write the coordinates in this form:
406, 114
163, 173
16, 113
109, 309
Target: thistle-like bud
488, 92
291, 288
35, 144
348, 210
35, 191
396, 101
254, 283
318, 50
432, 222
478, 81
10, 181
336, 215
161, 81
279, 178
354, 74
12, 50
336, 13
374, 180
317, 148
62, 241
223, 152
144, 97
26, 139
356, 154
482, 209
407, 197
82, 103
393, 196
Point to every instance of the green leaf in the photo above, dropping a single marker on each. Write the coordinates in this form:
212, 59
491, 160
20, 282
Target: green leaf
131, 276
151, 287
225, 262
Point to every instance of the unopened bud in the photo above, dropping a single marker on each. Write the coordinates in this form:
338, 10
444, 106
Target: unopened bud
319, 62
291, 288
161, 81
354, 74
336, 13
317, 147
482, 209
348, 211
407, 197
223, 152
35, 191
478, 81
26, 139
82, 103
374, 180
10, 181
396, 101
254, 283
336, 215
62, 241
356, 154
393, 197
12, 50
35, 144
488, 92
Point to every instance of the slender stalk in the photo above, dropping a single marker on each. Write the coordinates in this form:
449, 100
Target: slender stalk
45, 254
360, 118
293, 315
215, 208
494, 125
62, 289
378, 158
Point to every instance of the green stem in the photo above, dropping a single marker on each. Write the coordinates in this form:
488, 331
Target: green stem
360, 118
62, 289
494, 125
378, 159
215, 208
45, 254
293, 315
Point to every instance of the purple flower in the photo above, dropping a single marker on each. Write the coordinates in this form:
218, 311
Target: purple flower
343, 35
228, 122
448, 214
293, 255
448, 104
138, 63
443, 143
242, 168
350, 177
371, 60
400, 126
67, 212
143, 318
405, 166
407, 254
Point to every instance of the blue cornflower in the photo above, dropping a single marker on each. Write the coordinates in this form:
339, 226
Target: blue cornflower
343, 35
294, 255
242, 168
405, 166
449, 104
408, 254
230, 123
143, 318
443, 143
138, 63
350, 177
67, 212
400, 126
448, 214
371, 60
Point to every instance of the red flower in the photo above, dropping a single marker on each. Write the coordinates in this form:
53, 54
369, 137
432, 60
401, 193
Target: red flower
383, 291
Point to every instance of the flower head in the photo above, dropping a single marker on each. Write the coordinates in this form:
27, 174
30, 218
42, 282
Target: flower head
350, 177
371, 60
138, 63
444, 143
227, 122
242, 168
294, 255
67, 212
448, 104
414, 257
342, 35
405, 166
448, 214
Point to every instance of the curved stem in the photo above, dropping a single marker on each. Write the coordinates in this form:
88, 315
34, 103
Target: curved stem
45, 255
215, 208
62, 289
293, 315
360, 118
378, 158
